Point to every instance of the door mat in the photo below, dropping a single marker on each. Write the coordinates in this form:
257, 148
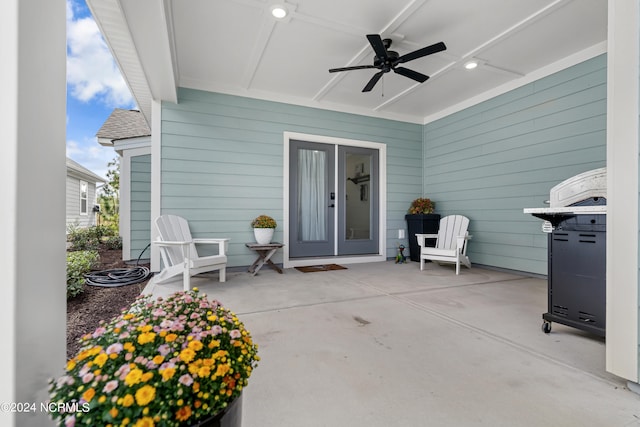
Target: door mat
316, 268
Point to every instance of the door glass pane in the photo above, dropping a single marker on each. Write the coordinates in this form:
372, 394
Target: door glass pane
312, 195
358, 204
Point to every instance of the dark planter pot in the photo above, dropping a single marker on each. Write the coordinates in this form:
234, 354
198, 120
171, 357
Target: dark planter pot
421, 224
231, 416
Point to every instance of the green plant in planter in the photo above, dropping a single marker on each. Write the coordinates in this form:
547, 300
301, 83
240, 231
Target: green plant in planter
421, 206
166, 362
264, 221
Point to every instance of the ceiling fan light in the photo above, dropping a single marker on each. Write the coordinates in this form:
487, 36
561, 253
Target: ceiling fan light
278, 11
471, 65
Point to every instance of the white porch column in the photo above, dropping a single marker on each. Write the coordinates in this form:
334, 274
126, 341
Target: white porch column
32, 191
156, 178
623, 102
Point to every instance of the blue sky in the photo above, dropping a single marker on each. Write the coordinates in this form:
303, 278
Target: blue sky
94, 88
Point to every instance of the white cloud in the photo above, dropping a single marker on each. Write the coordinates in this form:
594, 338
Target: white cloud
92, 73
91, 155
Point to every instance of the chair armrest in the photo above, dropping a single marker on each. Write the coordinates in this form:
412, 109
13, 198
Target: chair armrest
222, 243
422, 237
461, 241
211, 241
170, 243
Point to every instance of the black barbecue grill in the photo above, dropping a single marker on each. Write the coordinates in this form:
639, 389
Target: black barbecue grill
576, 223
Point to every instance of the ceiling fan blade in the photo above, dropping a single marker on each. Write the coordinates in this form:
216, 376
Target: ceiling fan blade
357, 67
373, 81
419, 77
434, 48
378, 46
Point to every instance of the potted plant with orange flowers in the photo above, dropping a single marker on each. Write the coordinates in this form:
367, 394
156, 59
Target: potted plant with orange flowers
421, 220
179, 361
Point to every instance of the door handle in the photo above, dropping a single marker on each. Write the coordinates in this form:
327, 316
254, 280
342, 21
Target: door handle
332, 205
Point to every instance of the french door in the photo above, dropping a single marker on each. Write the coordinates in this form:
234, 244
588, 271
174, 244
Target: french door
333, 200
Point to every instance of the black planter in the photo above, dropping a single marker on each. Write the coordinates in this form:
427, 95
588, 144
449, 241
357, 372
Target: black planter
231, 416
421, 224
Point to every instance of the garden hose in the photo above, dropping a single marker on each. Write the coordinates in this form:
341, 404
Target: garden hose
119, 276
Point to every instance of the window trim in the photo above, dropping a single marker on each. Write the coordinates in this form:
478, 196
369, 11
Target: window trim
85, 198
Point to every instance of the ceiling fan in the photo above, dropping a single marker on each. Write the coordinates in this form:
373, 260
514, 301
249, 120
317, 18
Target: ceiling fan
387, 60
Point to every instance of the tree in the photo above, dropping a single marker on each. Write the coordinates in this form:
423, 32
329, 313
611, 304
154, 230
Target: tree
110, 198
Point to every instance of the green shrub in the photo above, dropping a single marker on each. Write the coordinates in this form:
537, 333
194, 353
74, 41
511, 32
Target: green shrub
79, 263
113, 242
83, 239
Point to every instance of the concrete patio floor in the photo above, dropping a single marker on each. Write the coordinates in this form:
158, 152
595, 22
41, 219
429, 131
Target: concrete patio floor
384, 344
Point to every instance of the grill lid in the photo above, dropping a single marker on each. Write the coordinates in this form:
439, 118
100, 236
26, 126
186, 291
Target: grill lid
587, 185
582, 194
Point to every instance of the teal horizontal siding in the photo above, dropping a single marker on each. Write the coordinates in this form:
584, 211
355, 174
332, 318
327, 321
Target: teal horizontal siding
140, 205
222, 162
494, 159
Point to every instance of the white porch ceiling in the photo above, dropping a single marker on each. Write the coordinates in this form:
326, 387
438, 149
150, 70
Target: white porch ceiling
237, 47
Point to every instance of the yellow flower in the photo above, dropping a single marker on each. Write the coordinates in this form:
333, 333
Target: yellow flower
128, 346
71, 364
187, 355
102, 399
146, 337
145, 422
158, 359
167, 373
214, 344
183, 413
127, 316
204, 372
133, 377
170, 337
145, 328
127, 400
222, 370
88, 395
146, 376
101, 359
195, 345
113, 412
145, 394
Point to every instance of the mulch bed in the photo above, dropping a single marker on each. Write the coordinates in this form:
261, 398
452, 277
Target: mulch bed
85, 311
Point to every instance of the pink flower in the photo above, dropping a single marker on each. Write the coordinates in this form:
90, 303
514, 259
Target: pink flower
235, 334
186, 380
216, 330
164, 349
99, 332
87, 377
70, 421
110, 386
114, 348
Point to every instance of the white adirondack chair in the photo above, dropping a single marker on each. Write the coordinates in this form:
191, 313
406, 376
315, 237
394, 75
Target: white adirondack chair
451, 243
179, 253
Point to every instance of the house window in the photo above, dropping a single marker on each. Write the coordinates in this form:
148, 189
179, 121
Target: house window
84, 203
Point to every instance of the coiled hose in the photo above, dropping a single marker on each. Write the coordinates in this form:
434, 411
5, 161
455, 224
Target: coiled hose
119, 276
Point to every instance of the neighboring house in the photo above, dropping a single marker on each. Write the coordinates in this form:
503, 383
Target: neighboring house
129, 135
81, 195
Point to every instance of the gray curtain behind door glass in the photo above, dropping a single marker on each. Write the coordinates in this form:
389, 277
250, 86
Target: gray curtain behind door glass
312, 195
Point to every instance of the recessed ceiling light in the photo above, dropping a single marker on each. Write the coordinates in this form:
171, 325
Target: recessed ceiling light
278, 11
471, 65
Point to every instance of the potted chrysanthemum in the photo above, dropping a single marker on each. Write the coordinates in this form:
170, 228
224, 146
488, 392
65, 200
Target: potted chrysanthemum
179, 361
421, 220
263, 228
